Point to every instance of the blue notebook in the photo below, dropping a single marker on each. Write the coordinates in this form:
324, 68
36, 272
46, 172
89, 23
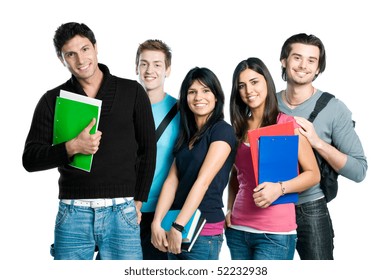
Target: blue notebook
278, 161
191, 230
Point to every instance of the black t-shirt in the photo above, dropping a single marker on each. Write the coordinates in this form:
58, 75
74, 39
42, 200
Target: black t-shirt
189, 162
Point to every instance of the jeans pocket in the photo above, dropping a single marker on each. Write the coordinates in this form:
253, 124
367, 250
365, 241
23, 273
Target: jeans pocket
129, 214
218, 238
315, 210
62, 214
280, 240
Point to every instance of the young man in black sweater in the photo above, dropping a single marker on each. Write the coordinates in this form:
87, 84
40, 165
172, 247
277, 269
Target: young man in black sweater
100, 208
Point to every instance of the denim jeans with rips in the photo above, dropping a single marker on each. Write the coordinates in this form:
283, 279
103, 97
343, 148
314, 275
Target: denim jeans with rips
114, 230
315, 231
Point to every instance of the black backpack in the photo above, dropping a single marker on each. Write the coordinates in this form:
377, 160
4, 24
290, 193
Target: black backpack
329, 177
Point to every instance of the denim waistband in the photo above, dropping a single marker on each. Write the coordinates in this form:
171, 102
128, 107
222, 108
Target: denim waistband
319, 201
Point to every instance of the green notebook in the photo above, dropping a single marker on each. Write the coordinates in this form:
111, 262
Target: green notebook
73, 112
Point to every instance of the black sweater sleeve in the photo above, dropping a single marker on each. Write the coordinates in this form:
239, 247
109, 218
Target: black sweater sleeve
39, 153
146, 141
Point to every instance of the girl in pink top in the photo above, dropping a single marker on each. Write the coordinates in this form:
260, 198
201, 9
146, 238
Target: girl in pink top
255, 228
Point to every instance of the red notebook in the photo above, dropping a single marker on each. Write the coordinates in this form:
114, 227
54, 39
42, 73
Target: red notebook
284, 129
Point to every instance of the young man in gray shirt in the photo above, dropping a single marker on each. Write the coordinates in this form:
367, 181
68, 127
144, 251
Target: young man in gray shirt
303, 59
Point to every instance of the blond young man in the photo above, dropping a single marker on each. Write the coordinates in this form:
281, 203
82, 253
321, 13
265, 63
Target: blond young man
153, 65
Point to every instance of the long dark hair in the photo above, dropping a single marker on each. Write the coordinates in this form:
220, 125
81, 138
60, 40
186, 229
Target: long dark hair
239, 111
189, 128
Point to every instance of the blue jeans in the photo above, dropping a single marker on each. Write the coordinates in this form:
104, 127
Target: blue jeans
260, 246
114, 229
205, 248
315, 231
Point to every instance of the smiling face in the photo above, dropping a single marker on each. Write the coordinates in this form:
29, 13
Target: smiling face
201, 101
79, 55
302, 64
253, 88
152, 71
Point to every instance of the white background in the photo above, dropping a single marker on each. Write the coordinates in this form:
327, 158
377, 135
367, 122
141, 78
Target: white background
217, 35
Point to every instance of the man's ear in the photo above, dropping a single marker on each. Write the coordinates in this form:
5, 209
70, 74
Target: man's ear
283, 61
168, 71
61, 60
137, 70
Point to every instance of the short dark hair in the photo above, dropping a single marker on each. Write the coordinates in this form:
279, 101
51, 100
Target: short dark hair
67, 31
306, 39
155, 45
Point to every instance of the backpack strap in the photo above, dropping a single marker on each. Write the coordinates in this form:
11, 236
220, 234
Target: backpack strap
165, 122
320, 104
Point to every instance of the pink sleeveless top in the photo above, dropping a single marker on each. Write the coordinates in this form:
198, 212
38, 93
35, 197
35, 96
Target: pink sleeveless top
276, 218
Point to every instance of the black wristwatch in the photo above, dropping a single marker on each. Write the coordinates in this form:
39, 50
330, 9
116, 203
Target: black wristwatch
178, 227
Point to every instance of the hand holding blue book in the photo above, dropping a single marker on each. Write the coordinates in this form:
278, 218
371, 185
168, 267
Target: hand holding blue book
191, 230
